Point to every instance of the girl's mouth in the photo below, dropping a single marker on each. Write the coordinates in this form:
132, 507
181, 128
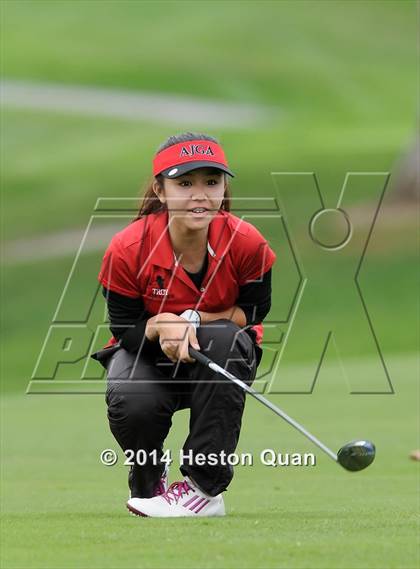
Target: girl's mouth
199, 211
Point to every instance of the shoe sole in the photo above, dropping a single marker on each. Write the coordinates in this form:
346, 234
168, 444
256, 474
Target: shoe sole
135, 512
139, 514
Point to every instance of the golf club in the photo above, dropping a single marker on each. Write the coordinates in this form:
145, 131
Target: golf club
355, 455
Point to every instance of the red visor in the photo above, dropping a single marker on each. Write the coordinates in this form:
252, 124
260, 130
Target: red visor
190, 155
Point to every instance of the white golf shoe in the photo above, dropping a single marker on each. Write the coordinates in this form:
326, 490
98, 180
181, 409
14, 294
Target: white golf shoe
181, 499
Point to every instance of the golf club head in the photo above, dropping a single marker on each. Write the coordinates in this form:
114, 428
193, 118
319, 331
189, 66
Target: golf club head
356, 455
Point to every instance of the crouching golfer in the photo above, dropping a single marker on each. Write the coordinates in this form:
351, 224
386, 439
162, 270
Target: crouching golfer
185, 272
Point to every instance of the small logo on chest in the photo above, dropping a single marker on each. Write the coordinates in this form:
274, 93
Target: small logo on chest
160, 291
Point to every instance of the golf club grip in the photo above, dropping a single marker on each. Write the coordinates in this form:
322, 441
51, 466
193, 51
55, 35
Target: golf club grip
198, 356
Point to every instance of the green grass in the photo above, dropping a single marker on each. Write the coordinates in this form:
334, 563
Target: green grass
329, 57
342, 75
69, 511
57, 166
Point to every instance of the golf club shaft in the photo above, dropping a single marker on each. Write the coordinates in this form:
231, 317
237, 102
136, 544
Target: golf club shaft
215, 367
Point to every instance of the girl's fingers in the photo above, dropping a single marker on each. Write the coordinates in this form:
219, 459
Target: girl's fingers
185, 356
193, 338
178, 350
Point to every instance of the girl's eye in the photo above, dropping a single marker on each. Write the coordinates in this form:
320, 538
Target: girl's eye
187, 183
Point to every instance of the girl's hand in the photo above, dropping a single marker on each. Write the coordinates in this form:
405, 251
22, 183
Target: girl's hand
175, 334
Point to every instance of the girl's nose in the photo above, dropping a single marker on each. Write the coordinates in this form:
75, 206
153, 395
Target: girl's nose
199, 191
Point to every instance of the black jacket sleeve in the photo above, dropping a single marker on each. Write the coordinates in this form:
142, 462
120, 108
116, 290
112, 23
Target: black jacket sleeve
255, 299
127, 318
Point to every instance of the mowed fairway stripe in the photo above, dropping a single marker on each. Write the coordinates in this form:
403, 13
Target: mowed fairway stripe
118, 103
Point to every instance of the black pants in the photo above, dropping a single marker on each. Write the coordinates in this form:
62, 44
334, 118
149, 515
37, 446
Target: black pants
144, 391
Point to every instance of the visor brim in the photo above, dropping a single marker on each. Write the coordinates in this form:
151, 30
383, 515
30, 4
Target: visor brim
181, 169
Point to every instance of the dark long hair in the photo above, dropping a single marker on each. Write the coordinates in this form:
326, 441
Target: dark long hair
150, 203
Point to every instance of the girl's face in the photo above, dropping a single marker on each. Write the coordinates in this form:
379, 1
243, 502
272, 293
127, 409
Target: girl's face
202, 190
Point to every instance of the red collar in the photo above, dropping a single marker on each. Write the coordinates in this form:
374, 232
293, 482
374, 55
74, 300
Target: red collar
160, 245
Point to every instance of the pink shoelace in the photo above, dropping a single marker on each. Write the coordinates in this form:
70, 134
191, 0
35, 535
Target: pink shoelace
160, 488
176, 490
